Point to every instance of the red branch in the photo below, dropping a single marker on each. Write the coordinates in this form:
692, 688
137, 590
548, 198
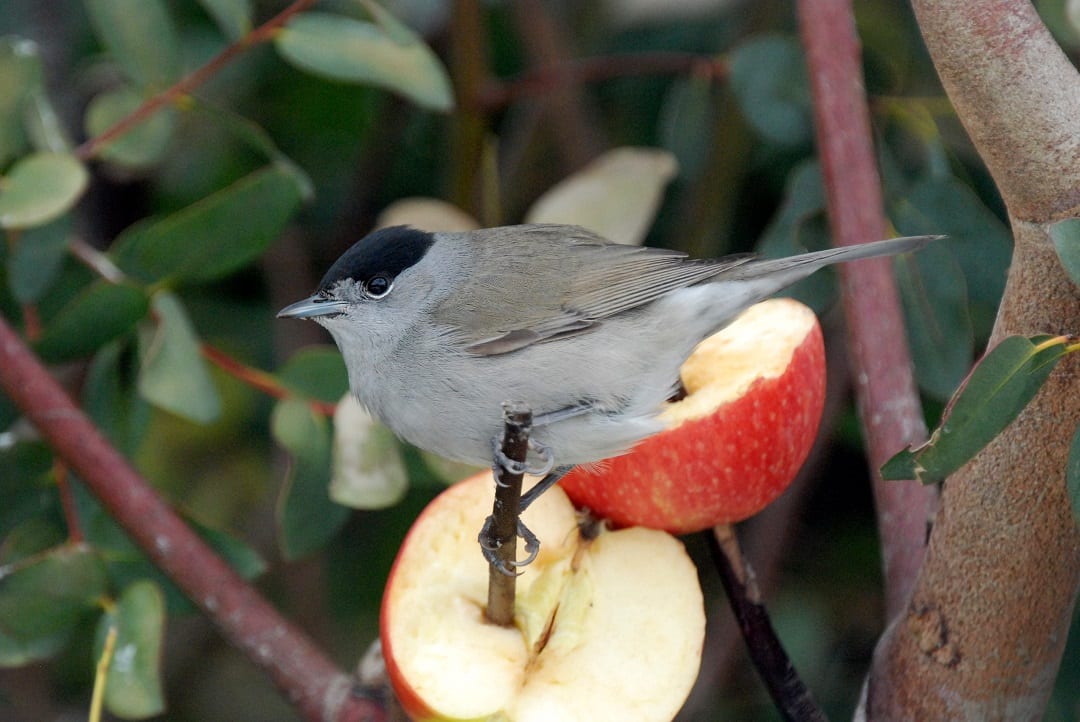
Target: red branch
259, 380
886, 394
308, 679
172, 95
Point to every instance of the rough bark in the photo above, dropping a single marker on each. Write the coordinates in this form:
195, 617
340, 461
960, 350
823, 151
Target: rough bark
983, 634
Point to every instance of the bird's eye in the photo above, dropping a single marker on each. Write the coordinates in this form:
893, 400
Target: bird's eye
378, 286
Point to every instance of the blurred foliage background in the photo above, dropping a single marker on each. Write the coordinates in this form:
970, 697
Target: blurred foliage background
229, 203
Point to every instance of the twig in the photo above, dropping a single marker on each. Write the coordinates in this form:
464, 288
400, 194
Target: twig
886, 394
567, 110
786, 688
468, 61
96, 261
549, 78
176, 92
67, 502
307, 678
505, 512
769, 535
258, 379
101, 676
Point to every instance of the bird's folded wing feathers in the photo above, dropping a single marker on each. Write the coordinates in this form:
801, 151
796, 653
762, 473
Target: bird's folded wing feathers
585, 280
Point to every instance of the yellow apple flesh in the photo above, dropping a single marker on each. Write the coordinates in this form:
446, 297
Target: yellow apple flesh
605, 629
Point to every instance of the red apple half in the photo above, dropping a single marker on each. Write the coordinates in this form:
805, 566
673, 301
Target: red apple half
605, 629
755, 392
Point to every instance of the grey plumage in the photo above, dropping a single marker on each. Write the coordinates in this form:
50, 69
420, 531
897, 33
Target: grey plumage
551, 315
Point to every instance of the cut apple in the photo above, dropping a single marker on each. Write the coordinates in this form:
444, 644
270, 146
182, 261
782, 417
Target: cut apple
755, 392
605, 629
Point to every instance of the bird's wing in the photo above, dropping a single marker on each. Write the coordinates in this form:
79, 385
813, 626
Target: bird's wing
584, 280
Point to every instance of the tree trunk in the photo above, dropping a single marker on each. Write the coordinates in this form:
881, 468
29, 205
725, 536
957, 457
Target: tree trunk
986, 625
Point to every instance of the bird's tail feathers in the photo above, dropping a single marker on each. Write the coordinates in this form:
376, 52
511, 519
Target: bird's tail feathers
788, 270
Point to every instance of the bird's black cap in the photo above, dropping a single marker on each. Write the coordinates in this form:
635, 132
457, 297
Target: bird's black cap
387, 251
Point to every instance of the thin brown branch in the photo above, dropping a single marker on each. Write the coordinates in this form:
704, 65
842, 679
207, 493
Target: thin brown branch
505, 513
567, 111
789, 693
769, 536
307, 678
469, 125
550, 78
67, 502
186, 85
259, 380
886, 394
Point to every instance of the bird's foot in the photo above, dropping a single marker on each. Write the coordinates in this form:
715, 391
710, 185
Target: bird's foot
547, 458
490, 547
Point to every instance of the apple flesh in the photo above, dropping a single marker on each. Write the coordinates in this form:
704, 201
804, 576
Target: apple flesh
609, 628
755, 392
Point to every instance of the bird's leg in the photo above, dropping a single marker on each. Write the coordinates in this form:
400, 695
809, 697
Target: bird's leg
491, 541
487, 539
490, 546
550, 480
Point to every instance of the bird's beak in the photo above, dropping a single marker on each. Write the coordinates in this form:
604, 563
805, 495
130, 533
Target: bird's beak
313, 306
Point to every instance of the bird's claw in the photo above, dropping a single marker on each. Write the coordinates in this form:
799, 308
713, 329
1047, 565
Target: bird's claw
522, 467
490, 547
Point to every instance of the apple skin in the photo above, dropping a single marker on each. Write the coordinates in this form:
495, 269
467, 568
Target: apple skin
722, 467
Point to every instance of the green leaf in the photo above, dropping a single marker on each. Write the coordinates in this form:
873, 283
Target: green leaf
768, 77
35, 259
980, 241
111, 399
102, 312
173, 375
1072, 476
799, 226
20, 73
43, 597
140, 36
33, 536
133, 685
127, 563
142, 145
997, 390
255, 136
232, 16
804, 201
43, 124
214, 236
316, 372
26, 481
383, 53
688, 116
939, 329
307, 518
1066, 235
40, 188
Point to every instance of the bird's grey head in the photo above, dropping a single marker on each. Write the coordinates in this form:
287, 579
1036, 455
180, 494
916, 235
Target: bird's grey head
364, 277
371, 297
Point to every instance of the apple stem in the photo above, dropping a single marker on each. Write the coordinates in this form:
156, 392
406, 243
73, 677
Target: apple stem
790, 694
505, 514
